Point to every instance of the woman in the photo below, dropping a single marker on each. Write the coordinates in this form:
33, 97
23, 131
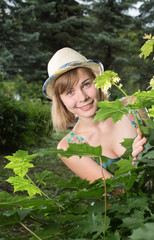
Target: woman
72, 90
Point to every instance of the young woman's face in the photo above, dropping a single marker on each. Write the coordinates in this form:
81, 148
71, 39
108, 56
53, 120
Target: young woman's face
81, 99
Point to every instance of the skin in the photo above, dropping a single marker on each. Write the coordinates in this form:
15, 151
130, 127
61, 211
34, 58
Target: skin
81, 101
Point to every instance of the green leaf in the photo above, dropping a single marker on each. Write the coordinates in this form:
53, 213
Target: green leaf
8, 201
21, 184
143, 99
20, 162
46, 176
74, 182
48, 231
113, 110
106, 80
82, 150
127, 143
147, 48
9, 218
143, 232
152, 83
135, 220
91, 223
151, 111
124, 166
149, 155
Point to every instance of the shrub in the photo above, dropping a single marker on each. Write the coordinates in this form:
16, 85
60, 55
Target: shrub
22, 123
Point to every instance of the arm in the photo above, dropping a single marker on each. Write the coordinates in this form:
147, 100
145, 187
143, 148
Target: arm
84, 167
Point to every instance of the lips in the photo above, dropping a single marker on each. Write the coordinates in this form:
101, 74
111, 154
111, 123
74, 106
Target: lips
86, 107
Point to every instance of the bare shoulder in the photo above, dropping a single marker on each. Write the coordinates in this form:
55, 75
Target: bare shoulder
63, 144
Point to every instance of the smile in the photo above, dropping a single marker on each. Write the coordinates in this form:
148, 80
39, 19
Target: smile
87, 107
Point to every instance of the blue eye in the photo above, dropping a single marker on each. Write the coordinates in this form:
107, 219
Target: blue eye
86, 84
69, 92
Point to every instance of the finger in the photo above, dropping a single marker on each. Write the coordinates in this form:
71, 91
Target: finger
140, 142
137, 151
138, 138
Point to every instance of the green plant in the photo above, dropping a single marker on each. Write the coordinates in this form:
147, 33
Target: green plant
22, 123
78, 211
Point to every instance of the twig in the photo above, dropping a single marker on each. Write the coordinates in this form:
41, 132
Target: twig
104, 196
23, 225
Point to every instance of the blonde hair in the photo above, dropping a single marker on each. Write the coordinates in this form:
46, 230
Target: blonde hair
61, 117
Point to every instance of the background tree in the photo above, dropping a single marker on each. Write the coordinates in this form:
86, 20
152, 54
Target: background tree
115, 39
33, 30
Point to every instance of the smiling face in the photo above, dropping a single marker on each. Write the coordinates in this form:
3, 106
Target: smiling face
80, 99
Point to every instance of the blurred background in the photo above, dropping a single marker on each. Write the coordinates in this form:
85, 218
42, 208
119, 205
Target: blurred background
31, 32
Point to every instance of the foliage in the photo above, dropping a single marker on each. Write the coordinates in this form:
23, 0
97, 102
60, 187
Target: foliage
21, 122
115, 39
32, 31
78, 210
148, 47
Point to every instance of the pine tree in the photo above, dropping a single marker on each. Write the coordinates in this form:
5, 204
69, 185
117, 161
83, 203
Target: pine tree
34, 30
116, 40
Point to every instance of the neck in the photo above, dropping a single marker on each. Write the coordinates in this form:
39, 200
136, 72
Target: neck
87, 125
84, 124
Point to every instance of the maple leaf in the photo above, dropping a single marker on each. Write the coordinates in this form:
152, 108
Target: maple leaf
22, 184
82, 150
114, 110
147, 48
20, 162
143, 99
124, 166
106, 80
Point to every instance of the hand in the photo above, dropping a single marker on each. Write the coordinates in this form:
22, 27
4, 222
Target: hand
138, 145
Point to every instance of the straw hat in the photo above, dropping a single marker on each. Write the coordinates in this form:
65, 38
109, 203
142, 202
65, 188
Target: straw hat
64, 60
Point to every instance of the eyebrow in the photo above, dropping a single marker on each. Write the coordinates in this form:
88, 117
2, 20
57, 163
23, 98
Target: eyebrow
86, 80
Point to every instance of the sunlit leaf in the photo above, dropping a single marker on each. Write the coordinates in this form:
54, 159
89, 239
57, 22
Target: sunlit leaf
106, 80
151, 111
21, 184
152, 83
20, 162
147, 48
143, 99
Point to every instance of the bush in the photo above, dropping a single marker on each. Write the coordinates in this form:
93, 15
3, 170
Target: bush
22, 123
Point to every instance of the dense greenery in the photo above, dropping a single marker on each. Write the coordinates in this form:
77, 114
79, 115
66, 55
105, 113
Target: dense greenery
58, 208
119, 208
31, 31
23, 122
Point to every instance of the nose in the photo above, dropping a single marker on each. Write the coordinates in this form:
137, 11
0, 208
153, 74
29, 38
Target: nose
82, 96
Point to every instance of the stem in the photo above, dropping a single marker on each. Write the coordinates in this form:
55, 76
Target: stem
104, 196
129, 99
23, 225
44, 193
38, 187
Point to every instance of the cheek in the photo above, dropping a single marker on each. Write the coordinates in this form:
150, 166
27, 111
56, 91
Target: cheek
69, 103
95, 93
